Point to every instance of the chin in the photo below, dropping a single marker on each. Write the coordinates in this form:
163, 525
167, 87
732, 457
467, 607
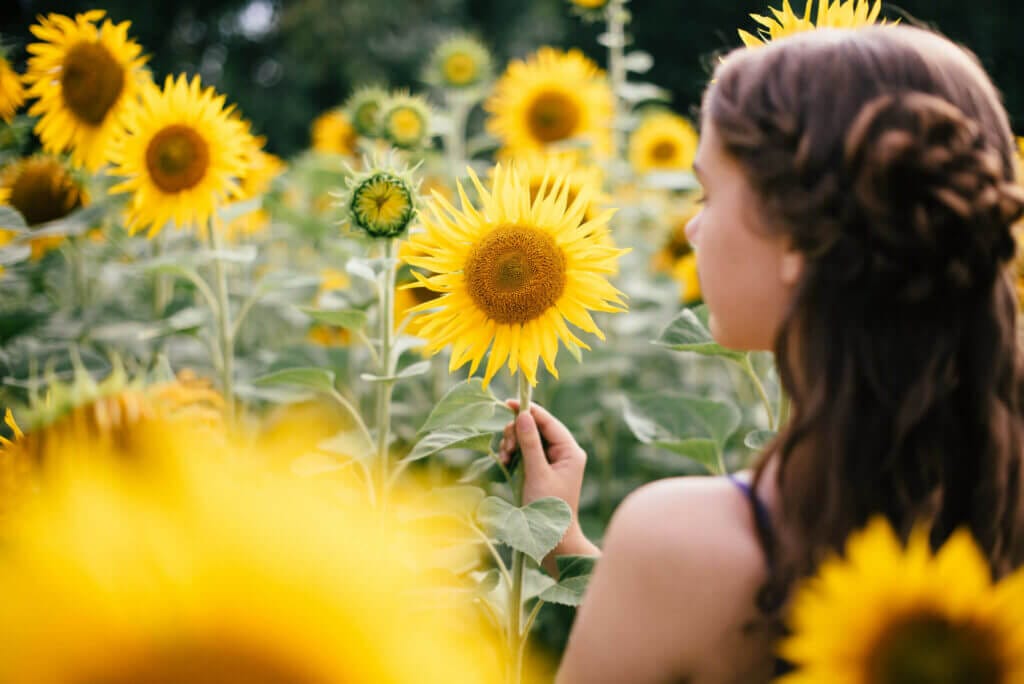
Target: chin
735, 339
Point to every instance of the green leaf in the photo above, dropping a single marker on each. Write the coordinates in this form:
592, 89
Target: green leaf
350, 319
14, 254
361, 268
410, 371
460, 501
463, 438
691, 426
318, 379
10, 219
534, 529
468, 404
688, 331
759, 439
638, 62
535, 583
573, 576
477, 468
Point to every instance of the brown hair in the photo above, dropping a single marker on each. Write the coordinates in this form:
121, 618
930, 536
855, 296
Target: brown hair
885, 155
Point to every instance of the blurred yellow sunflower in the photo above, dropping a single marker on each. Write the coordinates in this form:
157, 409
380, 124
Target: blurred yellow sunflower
84, 77
677, 258
888, 614
459, 62
227, 575
183, 156
404, 120
363, 107
537, 166
550, 98
115, 416
511, 272
663, 141
12, 94
261, 170
333, 133
42, 189
830, 14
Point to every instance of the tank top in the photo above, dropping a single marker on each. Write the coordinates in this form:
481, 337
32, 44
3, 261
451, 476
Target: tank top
763, 521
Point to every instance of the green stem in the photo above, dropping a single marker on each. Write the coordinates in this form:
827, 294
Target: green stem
722, 470
455, 143
225, 338
748, 368
385, 368
162, 282
516, 635
616, 16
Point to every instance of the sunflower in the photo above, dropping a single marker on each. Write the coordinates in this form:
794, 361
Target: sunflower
404, 120
460, 62
183, 156
831, 14
550, 98
381, 202
888, 614
227, 575
261, 170
85, 77
663, 142
511, 272
114, 416
363, 107
42, 189
537, 166
333, 133
12, 94
677, 258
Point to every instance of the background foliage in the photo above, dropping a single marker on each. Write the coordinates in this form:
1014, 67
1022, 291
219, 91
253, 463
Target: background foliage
284, 61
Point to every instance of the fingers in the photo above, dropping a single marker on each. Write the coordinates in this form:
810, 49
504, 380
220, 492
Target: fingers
554, 430
530, 445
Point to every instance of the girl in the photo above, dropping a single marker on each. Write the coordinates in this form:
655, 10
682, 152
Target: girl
859, 193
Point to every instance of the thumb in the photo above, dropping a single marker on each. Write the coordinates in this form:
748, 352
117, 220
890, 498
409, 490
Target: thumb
534, 459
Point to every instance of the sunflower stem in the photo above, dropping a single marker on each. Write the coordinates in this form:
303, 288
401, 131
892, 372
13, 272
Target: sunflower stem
517, 636
162, 281
386, 366
225, 339
748, 368
455, 144
616, 16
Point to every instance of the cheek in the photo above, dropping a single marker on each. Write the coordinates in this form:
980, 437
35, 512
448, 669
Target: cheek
738, 273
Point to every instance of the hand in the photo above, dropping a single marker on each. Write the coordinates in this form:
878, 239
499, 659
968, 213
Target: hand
554, 471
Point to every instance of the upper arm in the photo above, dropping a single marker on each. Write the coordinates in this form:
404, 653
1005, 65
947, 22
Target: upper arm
674, 574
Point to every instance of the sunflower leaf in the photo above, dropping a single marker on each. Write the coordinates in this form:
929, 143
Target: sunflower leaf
639, 92
573, 576
688, 332
758, 439
477, 468
351, 444
349, 319
534, 529
691, 426
318, 379
468, 405
14, 254
453, 438
638, 61
11, 219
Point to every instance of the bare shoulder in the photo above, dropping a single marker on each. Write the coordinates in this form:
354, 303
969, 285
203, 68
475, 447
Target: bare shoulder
677, 580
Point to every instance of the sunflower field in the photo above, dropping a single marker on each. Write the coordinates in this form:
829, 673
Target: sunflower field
253, 401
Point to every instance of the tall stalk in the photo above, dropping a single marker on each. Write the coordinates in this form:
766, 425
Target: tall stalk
517, 635
225, 336
386, 366
616, 16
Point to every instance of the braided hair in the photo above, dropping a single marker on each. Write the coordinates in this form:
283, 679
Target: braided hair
885, 155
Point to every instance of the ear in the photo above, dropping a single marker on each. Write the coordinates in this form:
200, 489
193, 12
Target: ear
791, 266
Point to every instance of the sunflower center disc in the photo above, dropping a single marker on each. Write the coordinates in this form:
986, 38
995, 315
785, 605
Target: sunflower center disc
405, 125
459, 69
664, 151
552, 116
202, 663
515, 274
43, 192
91, 81
930, 648
177, 158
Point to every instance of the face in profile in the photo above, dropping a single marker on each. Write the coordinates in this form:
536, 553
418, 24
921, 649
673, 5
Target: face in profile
747, 271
